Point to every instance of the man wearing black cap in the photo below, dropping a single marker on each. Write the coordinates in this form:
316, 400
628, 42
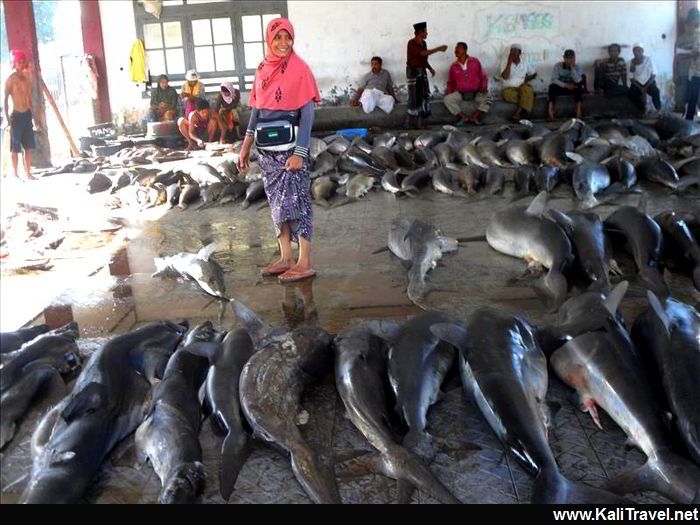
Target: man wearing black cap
417, 54
567, 80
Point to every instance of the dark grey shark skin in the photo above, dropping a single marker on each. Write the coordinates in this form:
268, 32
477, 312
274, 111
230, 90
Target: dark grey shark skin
519, 152
232, 192
386, 140
640, 129
38, 378
426, 158
57, 348
643, 239
323, 189
221, 397
169, 435
11, 341
659, 171
607, 375
468, 154
553, 148
324, 163
668, 332
189, 194
504, 370
587, 180
546, 178
360, 375
491, 154
403, 158
670, 126
429, 139
680, 244
587, 312
418, 363
422, 245
384, 158
521, 231
271, 385
415, 179
106, 405
585, 231
445, 153
355, 160
622, 171
254, 192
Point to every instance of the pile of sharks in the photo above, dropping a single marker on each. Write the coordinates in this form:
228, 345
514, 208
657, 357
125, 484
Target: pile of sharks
598, 161
564, 251
159, 382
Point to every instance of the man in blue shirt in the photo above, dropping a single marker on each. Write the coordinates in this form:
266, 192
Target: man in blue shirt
567, 79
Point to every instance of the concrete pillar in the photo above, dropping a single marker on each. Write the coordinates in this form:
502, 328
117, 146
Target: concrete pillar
93, 45
21, 34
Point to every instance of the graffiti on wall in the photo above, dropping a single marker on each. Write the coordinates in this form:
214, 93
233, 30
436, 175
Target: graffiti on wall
508, 20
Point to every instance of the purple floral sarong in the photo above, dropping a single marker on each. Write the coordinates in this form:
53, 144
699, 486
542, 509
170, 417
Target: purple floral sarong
289, 194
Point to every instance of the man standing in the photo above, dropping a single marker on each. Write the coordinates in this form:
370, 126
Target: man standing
18, 86
567, 79
692, 44
516, 74
643, 81
467, 81
376, 89
611, 73
417, 65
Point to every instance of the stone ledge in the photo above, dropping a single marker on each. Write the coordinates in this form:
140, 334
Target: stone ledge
329, 118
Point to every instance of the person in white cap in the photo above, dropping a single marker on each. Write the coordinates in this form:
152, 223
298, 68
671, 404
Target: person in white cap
192, 89
643, 79
516, 74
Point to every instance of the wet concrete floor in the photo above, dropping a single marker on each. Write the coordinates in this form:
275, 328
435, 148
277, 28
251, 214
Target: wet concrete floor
351, 285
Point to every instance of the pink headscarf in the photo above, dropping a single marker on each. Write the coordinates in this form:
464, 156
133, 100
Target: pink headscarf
17, 56
282, 83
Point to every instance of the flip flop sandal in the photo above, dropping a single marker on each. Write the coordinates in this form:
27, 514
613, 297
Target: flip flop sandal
290, 277
274, 269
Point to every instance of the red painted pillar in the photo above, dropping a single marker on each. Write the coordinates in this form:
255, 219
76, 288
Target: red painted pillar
93, 45
21, 34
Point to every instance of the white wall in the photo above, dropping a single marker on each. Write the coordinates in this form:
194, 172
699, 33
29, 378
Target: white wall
118, 34
337, 39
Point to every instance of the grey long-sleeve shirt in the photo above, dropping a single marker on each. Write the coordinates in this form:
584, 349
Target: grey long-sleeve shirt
306, 122
561, 76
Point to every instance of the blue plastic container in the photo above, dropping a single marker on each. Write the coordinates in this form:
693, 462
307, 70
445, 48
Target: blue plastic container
353, 132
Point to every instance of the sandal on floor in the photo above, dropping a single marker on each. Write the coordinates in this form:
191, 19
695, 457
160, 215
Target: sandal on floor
293, 276
274, 269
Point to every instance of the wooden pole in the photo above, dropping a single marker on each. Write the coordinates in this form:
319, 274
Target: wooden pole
73, 147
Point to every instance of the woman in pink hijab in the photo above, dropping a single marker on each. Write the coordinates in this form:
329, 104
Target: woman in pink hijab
284, 90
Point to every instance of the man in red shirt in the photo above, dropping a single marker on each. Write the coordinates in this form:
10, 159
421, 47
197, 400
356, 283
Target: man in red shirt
417, 54
467, 81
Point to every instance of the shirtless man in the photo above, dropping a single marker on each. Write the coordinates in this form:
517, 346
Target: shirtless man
21, 123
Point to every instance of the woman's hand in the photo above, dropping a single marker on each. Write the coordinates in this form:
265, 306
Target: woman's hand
244, 155
294, 163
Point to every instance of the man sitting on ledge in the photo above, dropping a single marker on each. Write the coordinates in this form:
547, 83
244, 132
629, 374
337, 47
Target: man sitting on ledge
611, 73
376, 89
467, 81
643, 80
567, 79
516, 74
